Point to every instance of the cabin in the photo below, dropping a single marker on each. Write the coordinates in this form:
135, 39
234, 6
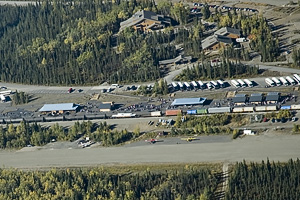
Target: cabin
145, 21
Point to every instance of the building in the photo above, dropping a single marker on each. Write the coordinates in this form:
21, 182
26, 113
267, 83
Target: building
256, 99
188, 101
272, 97
215, 42
105, 107
145, 21
239, 99
59, 108
229, 32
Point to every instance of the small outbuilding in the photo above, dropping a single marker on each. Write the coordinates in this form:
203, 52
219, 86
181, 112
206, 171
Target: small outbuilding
239, 99
105, 107
272, 97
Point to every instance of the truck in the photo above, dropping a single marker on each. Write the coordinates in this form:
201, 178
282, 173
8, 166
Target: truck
242, 83
235, 83
269, 82
241, 40
283, 81
276, 81
290, 80
221, 83
248, 82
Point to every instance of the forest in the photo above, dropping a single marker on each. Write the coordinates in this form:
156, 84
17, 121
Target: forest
34, 134
184, 182
79, 43
264, 180
223, 70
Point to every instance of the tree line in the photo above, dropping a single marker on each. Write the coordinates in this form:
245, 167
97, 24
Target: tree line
264, 180
34, 134
97, 183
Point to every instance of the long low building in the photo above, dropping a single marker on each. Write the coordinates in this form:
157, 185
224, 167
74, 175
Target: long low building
60, 108
188, 101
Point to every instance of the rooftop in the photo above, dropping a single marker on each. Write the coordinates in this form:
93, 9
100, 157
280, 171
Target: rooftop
272, 97
240, 95
255, 98
188, 101
105, 106
227, 30
239, 99
58, 107
214, 39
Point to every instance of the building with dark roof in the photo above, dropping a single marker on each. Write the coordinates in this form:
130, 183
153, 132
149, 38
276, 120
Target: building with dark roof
256, 99
272, 97
145, 21
188, 101
215, 42
59, 108
229, 32
105, 107
239, 99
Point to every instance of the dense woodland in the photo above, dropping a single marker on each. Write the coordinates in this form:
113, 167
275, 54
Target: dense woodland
224, 70
96, 183
296, 57
266, 181
34, 134
77, 42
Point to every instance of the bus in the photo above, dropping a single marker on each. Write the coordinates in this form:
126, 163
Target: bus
283, 81
195, 85
297, 78
291, 80
180, 85
221, 83
201, 85
242, 83
187, 85
209, 86
248, 82
276, 81
174, 85
270, 82
214, 84
235, 83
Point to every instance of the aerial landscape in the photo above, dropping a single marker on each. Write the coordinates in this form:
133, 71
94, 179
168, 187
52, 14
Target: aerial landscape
150, 99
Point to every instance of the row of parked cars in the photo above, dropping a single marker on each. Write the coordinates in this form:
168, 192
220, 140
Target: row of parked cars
226, 7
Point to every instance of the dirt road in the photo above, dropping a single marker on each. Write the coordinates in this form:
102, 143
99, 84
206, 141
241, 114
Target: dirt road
251, 148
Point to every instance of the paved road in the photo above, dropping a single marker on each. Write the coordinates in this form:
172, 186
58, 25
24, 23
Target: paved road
251, 148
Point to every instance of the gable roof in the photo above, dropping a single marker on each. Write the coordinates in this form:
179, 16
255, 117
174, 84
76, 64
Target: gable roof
141, 15
61, 106
227, 30
255, 98
239, 99
214, 39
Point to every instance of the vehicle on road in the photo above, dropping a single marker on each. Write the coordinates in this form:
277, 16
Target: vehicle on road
153, 141
189, 139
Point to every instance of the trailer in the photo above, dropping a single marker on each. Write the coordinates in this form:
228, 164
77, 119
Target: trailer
201, 84
248, 82
173, 112
191, 112
242, 83
202, 111
219, 110
283, 81
297, 78
124, 115
276, 81
290, 80
235, 83
260, 108
270, 82
155, 114
221, 83
295, 107
242, 109
271, 108
195, 85
215, 85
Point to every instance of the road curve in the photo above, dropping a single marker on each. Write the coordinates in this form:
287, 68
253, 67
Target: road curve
251, 148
